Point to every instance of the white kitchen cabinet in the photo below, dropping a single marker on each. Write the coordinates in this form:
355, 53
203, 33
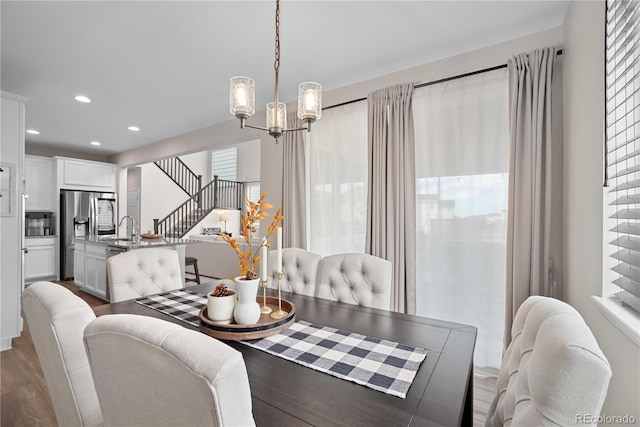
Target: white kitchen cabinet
12, 117
96, 270
40, 259
90, 268
7, 192
78, 265
39, 183
75, 174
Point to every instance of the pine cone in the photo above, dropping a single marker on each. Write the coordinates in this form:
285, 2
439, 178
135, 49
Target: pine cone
221, 291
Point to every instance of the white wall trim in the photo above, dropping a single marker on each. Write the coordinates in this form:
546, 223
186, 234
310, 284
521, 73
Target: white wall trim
621, 317
13, 96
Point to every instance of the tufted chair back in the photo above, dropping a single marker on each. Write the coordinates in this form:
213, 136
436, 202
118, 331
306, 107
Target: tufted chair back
552, 371
142, 272
299, 268
150, 372
358, 279
57, 319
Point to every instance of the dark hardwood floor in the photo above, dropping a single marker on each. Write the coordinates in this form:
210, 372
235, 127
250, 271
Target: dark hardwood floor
25, 399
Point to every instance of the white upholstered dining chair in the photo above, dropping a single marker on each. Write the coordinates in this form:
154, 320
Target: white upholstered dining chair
150, 372
141, 272
552, 372
57, 319
359, 279
299, 268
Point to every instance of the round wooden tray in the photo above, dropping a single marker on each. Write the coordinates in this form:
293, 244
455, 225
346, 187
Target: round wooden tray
265, 327
150, 236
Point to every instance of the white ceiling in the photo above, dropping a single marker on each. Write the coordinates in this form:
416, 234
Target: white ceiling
165, 65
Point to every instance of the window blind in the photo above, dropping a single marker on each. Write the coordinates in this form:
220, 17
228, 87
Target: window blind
623, 146
224, 163
252, 190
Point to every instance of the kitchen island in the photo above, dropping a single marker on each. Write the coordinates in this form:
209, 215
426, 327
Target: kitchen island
216, 258
91, 253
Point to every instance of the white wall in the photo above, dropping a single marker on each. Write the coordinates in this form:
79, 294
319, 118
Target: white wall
583, 178
249, 161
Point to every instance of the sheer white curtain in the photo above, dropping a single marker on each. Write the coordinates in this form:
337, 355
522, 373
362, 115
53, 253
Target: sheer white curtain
337, 177
462, 160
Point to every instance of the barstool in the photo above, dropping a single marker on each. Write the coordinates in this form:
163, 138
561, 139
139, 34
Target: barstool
192, 261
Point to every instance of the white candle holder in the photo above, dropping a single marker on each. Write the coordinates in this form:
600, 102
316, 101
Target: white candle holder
280, 313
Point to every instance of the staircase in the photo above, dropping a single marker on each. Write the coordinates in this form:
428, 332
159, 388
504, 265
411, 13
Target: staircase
218, 194
181, 174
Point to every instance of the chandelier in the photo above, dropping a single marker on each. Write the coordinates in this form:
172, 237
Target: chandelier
242, 99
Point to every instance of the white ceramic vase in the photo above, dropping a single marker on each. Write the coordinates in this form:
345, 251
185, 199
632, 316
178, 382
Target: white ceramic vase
220, 309
247, 310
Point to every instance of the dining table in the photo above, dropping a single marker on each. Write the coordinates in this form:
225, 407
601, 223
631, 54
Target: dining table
289, 394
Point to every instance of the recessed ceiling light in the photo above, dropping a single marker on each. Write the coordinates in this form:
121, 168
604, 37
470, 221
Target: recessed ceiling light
134, 128
33, 132
82, 98
95, 143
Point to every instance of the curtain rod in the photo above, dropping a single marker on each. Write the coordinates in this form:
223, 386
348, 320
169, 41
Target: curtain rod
459, 76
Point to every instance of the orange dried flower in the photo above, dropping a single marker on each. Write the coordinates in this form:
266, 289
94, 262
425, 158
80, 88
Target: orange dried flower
255, 211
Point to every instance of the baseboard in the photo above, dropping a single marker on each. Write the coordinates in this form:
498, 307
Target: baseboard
5, 345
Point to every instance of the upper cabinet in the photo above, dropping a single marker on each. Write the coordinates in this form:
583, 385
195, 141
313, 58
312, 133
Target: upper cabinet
74, 174
39, 183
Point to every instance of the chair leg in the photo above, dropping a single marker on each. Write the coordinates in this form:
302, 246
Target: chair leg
195, 269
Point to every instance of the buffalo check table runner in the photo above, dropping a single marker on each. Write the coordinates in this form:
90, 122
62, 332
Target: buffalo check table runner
379, 364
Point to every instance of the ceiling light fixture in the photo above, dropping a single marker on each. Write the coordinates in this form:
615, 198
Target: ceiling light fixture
242, 99
82, 98
33, 132
95, 143
134, 128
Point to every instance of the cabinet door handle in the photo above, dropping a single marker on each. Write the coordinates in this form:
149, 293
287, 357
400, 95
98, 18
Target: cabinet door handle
26, 251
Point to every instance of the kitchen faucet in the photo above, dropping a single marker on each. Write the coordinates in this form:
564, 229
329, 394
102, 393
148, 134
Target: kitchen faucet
133, 225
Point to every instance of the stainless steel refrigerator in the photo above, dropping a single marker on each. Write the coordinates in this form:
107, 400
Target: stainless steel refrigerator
84, 214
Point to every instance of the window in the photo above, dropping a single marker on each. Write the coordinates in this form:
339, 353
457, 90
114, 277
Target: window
462, 163
337, 177
224, 163
252, 190
622, 213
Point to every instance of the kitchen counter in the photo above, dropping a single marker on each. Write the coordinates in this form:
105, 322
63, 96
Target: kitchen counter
127, 244
216, 258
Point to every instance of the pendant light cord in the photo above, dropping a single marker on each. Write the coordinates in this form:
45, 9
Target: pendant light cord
276, 64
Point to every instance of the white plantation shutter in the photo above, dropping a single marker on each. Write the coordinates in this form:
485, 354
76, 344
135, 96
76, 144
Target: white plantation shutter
623, 147
224, 163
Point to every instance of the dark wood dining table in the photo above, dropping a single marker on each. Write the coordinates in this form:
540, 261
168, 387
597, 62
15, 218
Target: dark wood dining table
287, 394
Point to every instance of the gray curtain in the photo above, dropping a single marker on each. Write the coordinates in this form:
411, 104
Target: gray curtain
534, 226
391, 210
294, 234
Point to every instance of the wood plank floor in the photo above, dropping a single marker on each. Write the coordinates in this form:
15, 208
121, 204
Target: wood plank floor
25, 399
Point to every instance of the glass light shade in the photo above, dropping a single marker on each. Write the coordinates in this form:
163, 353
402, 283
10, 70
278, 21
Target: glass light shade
242, 96
309, 101
271, 115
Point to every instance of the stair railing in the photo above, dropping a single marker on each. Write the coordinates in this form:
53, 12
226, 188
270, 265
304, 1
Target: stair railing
218, 194
181, 174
